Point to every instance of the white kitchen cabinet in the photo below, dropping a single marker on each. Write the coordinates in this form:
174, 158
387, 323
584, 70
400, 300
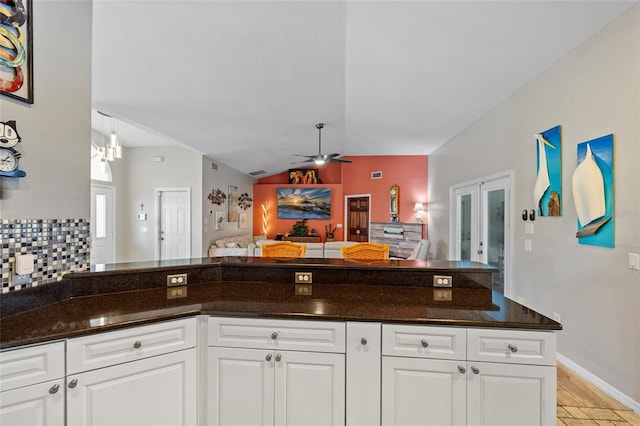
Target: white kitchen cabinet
35, 405
32, 385
509, 394
423, 391
255, 384
144, 376
364, 356
506, 377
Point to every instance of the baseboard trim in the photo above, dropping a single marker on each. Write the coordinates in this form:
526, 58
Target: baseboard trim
605, 387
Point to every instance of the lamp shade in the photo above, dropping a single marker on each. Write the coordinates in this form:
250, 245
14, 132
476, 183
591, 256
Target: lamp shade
418, 207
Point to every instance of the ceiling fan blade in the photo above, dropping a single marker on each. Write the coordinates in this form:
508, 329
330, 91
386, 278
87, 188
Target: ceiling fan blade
338, 160
310, 160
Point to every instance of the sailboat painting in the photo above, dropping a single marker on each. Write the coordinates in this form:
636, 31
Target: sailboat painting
547, 192
593, 192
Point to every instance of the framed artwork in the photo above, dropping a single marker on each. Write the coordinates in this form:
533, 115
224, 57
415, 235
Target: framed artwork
242, 221
219, 225
593, 192
304, 177
547, 192
16, 52
232, 204
304, 203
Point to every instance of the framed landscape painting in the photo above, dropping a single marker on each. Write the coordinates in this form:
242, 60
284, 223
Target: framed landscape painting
304, 203
16, 53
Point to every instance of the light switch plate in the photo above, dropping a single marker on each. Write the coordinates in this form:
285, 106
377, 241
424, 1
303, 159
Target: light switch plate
634, 261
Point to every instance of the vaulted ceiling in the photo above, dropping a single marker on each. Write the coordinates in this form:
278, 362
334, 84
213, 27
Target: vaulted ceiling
245, 82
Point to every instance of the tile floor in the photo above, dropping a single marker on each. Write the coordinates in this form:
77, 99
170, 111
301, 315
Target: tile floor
581, 403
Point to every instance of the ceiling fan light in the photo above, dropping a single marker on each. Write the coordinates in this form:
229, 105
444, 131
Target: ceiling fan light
319, 161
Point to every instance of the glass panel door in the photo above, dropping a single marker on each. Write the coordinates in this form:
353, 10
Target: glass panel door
481, 231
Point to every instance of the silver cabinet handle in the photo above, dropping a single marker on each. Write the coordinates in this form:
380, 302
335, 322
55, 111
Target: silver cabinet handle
268, 357
363, 341
278, 357
424, 343
274, 335
461, 369
73, 383
512, 348
137, 344
475, 369
54, 389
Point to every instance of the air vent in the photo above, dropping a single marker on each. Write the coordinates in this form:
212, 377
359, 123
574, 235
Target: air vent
214, 166
257, 172
376, 175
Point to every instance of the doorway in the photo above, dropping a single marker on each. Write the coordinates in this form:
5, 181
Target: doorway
174, 223
357, 219
481, 226
103, 225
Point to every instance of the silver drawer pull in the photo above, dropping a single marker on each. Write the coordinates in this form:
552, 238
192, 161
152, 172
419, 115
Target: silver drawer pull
424, 343
268, 357
73, 383
54, 389
137, 344
274, 335
512, 348
475, 369
363, 341
278, 357
461, 369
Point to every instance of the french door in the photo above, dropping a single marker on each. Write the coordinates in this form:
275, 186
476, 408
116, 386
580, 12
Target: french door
480, 224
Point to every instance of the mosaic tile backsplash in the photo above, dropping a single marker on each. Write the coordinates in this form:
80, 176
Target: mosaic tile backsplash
58, 246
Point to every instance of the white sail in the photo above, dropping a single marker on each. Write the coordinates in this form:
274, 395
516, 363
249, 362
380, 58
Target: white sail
542, 181
588, 190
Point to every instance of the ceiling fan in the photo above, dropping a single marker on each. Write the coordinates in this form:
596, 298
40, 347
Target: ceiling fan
321, 159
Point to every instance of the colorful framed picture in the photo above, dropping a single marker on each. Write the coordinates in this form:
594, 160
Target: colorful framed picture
304, 177
16, 52
304, 203
593, 192
548, 187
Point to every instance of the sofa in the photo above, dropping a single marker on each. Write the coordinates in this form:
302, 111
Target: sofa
237, 245
247, 245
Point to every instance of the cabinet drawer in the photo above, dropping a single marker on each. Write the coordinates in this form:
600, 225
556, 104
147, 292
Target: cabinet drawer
315, 336
424, 341
34, 364
511, 346
115, 347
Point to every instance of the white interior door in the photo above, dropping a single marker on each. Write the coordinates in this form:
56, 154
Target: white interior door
174, 223
481, 226
103, 225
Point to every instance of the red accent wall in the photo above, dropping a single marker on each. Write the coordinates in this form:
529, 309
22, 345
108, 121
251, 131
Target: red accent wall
409, 172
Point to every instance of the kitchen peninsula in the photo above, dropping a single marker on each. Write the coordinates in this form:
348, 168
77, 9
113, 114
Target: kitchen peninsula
245, 343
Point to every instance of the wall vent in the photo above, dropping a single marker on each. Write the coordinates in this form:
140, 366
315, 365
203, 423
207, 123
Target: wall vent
376, 175
214, 166
257, 172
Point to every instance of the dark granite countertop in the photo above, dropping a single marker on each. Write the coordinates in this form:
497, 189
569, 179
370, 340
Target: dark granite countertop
135, 294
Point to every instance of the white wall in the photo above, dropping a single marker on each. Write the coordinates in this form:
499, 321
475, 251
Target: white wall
56, 129
221, 179
136, 178
593, 91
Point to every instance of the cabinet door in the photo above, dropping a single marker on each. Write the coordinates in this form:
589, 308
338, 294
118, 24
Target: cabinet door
155, 391
240, 387
309, 388
423, 392
35, 405
363, 373
510, 394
